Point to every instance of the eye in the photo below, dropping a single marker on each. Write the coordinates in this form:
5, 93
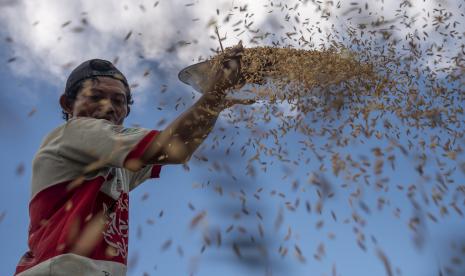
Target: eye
95, 97
118, 101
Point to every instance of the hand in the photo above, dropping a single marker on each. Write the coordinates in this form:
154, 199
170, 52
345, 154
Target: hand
226, 72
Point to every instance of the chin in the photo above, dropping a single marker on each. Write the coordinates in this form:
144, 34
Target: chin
104, 118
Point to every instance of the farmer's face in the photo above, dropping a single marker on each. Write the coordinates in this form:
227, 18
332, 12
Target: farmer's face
105, 99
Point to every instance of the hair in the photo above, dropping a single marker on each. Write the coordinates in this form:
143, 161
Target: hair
72, 93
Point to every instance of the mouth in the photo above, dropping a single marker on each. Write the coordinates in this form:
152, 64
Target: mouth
108, 118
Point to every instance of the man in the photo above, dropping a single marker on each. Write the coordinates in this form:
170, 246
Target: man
85, 168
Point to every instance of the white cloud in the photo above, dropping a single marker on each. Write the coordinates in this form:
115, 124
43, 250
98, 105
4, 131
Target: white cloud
44, 39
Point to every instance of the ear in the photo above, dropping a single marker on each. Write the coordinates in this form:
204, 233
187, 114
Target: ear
66, 105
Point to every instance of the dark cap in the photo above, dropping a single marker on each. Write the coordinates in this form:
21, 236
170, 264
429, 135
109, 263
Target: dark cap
94, 68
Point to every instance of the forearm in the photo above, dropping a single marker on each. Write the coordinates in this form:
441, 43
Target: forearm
183, 136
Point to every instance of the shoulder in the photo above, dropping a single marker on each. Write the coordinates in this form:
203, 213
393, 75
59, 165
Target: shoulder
53, 135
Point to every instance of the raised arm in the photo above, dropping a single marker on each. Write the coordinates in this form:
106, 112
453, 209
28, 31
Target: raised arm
177, 143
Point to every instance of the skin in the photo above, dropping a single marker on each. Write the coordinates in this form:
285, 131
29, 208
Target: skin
175, 144
105, 99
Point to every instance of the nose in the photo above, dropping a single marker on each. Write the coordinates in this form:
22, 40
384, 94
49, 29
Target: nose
107, 106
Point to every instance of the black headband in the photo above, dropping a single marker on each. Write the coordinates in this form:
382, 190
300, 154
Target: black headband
94, 68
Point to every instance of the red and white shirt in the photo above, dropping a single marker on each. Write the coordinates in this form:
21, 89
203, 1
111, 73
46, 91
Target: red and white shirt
79, 202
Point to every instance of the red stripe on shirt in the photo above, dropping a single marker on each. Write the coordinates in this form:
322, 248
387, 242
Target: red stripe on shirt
57, 214
139, 150
142, 146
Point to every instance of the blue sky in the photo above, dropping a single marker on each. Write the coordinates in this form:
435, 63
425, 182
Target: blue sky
160, 215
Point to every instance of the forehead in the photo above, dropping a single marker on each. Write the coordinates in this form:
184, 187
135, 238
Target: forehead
105, 85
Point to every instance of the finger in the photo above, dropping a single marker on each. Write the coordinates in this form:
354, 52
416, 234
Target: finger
248, 101
230, 102
232, 64
239, 84
231, 70
235, 51
237, 48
